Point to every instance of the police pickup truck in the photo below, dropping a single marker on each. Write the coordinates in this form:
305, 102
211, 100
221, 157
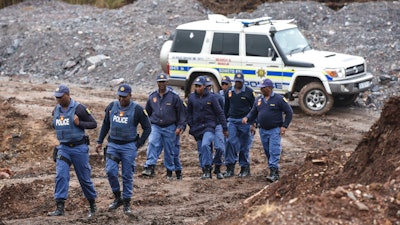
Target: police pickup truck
264, 48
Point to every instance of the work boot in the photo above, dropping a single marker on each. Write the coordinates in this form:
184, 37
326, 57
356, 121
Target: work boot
244, 171
217, 172
59, 210
206, 173
127, 206
117, 201
149, 171
169, 175
230, 170
178, 174
92, 207
273, 175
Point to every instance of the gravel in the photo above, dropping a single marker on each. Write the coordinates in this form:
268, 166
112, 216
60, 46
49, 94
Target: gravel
52, 41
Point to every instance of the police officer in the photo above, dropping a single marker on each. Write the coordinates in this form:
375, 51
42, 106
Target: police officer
70, 119
238, 102
120, 121
204, 113
167, 116
269, 109
226, 84
219, 139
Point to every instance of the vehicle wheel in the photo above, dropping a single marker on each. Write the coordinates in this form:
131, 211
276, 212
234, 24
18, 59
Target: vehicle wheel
344, 100
314, 100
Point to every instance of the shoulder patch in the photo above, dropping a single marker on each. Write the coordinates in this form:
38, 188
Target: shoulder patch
88, 111
284, 99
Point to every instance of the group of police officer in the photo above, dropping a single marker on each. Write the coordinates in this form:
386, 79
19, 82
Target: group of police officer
223, 125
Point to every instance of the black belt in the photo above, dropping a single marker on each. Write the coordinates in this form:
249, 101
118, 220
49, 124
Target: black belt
119, 142
76, 143
269, 128
164, 126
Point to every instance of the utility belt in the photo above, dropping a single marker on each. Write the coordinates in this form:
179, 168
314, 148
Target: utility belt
119, 142
85, 140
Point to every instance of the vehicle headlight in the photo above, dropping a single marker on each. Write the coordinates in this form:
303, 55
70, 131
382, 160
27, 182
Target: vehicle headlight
335, 73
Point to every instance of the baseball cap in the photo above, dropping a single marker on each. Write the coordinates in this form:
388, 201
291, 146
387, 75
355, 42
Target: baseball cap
162, 77
61, 90
209, 81
124, 90
266, 83
200, 80
226, 80
239, 77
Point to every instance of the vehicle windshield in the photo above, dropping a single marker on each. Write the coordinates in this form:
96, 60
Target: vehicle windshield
291, 41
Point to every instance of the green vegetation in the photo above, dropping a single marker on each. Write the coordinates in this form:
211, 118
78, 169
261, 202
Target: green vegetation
110, 4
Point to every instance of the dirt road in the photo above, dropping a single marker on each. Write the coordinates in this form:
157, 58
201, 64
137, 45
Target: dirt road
27, 141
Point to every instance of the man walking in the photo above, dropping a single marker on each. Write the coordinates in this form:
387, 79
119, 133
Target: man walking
120, 121
269, 109
238, 102
167, 116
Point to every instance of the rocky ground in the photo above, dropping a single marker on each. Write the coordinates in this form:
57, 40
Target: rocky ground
342, 168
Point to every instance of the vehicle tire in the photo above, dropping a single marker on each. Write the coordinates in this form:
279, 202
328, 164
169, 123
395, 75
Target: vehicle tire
344, 100
165, 49
314, 100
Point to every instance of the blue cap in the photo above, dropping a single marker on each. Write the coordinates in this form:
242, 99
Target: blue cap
226, 80
266, 83
162, 77
239, 77
209, 81
61, 90
124, 90
200, 80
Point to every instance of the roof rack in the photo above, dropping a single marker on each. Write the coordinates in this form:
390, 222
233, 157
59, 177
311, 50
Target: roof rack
257, 21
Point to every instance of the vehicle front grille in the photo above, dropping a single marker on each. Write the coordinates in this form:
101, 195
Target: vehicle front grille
354, 70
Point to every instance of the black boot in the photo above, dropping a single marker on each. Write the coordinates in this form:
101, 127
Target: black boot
169, 175
244, 171
206, 173
127, 206
149, 171
92, 207
59, 210
217, 172
117, 201
230, 170
178, 174
273, 175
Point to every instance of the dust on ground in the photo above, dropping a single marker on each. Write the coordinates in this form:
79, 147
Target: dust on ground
317, 157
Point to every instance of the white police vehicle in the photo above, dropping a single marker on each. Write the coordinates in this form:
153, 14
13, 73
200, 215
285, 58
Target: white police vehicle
264, 48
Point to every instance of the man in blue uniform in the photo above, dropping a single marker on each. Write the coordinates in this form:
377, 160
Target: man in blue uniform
70, 119
120, 121
269, 109
238, 102
219, 139
204, 113
167, 116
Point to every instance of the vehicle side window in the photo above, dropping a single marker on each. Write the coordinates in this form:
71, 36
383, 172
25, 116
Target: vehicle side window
188, 41
225, 44
258, 45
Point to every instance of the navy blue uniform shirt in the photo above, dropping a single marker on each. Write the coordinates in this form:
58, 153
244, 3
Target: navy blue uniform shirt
204, 113
166, 110
238, 105
269, 113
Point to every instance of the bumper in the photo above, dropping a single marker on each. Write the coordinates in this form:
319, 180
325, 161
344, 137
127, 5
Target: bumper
177, 82
352, 85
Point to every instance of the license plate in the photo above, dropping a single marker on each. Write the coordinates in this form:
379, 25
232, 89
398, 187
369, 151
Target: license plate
364, 84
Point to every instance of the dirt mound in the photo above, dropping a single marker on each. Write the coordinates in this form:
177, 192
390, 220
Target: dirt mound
334, 185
